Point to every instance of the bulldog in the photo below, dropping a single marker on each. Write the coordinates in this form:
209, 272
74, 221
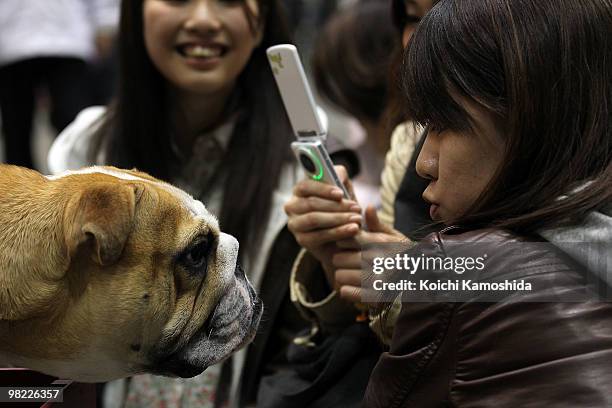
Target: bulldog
105, 273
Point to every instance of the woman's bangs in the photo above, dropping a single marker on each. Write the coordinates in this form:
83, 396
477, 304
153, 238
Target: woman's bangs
429, 86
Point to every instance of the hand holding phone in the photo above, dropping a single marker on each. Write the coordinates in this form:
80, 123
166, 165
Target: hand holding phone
319, 218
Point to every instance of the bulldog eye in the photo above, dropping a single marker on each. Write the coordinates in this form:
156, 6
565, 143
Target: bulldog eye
196, 256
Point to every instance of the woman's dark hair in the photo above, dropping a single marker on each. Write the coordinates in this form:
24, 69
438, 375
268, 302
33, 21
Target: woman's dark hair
136, 131
351, 64
543, 69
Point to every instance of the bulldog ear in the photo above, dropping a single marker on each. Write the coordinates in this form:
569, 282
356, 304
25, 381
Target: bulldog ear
101, 216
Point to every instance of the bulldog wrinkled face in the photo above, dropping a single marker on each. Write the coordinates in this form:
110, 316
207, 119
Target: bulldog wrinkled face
174, 301
229, 324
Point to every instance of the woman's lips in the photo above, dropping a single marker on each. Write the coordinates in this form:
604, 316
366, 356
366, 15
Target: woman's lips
203, 63
202, 56
428, 196
433, 211
201, 50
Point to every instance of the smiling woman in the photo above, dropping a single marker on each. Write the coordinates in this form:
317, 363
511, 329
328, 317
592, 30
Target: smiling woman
186, 42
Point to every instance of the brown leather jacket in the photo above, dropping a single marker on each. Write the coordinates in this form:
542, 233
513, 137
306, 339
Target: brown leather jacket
518, 354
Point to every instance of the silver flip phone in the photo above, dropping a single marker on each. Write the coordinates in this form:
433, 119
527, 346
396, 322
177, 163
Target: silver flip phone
315, 160
302, 111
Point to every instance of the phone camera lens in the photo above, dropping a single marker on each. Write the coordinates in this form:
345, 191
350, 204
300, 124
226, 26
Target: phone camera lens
307, 163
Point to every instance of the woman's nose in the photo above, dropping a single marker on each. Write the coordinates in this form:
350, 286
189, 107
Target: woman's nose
203, 17
427, 162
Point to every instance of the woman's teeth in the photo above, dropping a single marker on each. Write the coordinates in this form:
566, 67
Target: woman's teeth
198, 51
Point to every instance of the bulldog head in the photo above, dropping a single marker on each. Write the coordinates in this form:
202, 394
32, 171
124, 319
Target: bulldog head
136, 277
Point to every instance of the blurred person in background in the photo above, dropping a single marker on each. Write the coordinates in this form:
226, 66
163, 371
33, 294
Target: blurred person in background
305, 18
48, 44
351, 67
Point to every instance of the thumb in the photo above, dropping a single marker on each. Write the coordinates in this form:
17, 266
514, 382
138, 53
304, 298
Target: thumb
373, 222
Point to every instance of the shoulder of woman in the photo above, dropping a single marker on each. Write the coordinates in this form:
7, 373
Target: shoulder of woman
70, 148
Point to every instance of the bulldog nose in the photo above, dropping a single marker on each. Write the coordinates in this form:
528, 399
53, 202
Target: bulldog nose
228, 246
227, 252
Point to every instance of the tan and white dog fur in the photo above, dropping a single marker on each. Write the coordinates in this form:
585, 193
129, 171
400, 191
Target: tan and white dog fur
105, 273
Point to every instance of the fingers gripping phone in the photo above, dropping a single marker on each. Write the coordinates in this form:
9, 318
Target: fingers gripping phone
302, 111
